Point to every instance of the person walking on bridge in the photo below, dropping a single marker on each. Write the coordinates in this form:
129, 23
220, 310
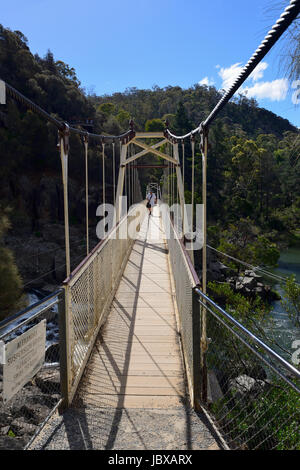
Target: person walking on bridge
151, 200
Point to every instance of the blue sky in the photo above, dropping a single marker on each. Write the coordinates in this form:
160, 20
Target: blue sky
116, 44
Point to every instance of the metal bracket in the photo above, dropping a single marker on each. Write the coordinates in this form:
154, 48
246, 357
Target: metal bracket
2, 92
65, 134
2, 353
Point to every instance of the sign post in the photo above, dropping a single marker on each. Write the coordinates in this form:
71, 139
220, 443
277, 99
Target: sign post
23, 358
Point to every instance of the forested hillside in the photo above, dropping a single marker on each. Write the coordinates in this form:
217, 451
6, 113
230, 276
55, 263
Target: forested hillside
253, 164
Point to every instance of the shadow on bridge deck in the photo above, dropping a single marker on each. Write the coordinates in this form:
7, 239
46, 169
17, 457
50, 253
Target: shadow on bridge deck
133, 393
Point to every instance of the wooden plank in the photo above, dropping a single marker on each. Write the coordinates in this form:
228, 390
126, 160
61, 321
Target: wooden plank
133, 401
137, 360
120, 390
139, 381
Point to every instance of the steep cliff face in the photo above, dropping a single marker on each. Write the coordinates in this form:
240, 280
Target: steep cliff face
37, 236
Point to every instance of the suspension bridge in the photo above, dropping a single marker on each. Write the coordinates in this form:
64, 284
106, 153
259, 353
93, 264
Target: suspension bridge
146, 359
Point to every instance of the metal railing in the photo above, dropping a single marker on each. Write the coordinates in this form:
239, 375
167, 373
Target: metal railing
27, 401
89, 292
69, 319
254, 392
185, 281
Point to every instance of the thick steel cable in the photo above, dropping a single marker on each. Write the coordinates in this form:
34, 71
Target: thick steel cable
125, 184
114, 172
254, 268
182, 145
173, 182
86, 194
129, 182
173, 187
131, 177
11, 91
193, 179
168, 181
135, 185
61, 125
103, 176
287, 17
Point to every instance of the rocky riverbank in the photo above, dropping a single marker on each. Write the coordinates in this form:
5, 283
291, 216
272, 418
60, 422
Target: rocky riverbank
24, 413
37, 237
247, 283
40, 256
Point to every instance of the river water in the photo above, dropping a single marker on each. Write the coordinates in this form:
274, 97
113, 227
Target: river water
284, 331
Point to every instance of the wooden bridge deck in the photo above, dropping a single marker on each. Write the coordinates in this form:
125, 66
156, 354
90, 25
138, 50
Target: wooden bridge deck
133, 393
137, 361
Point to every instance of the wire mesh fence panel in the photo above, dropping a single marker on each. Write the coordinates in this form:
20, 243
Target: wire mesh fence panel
30, 373
184, 284
255, 399
90, 291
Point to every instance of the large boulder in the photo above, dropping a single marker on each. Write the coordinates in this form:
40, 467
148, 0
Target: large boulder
34, 412
217, 271
52, 353
245, 386
48, 381
20, 427
250, 285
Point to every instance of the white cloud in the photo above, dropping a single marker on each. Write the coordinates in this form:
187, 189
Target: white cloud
206, 81
275, 90
258, 72
229, 74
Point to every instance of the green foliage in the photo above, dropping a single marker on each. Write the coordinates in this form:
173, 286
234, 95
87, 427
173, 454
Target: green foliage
182, 122
268, 420
123, 117
264, 252
154, 125
10, 280
291, 299
249, 312
243, 241
106, 108
253, 176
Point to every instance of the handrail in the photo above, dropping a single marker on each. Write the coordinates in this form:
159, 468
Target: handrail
61, 125
188, 260
250, 335
97, 248
7, 321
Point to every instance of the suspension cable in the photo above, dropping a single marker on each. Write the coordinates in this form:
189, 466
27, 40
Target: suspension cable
193, 178
103, 175
85, 140
254, 268
114, 172
182, 145
125, 182
61, 125
287, 17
